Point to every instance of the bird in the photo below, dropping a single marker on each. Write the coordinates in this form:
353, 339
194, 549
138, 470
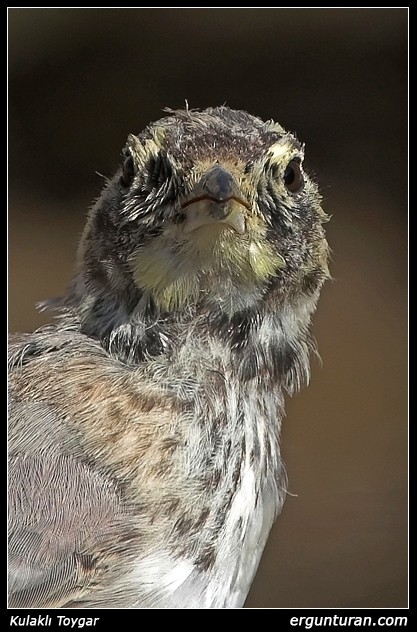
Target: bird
145, 468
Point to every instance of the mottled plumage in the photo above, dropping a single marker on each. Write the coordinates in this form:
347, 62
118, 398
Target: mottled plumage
145, 421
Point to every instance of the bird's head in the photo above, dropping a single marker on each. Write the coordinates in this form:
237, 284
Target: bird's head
210, 208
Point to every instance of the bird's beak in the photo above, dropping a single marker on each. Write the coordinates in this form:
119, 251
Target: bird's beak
217, 200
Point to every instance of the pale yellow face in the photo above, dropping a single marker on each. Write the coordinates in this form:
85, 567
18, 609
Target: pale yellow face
188, 256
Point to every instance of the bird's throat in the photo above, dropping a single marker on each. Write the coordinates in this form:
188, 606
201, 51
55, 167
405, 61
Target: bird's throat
183, 272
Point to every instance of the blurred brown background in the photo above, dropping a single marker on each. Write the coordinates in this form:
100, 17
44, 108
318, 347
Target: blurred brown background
81, 79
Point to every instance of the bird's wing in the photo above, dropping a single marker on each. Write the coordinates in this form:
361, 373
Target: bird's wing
66, 517
62, 514
72, 540
75, 533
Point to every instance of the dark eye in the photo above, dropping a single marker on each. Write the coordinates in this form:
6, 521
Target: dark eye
128, 172
292, 176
